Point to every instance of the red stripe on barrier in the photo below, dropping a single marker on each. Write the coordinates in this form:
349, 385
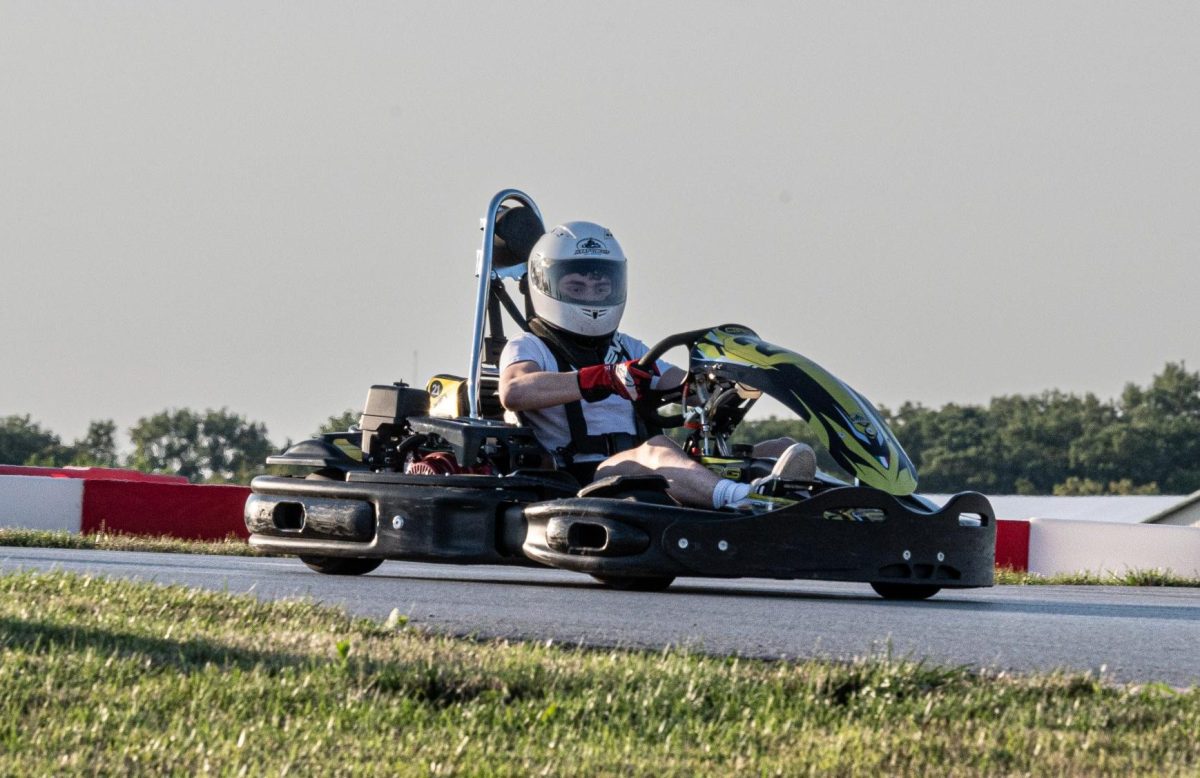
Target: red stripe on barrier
93, 474
188, 511
1012, 544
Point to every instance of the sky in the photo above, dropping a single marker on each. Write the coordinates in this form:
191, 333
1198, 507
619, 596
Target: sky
270, 206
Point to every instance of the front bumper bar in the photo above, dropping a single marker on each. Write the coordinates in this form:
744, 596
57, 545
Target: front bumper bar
818, 538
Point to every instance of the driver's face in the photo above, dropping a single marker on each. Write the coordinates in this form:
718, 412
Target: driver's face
585, 287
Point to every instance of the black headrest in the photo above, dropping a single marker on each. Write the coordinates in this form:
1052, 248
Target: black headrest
517, 229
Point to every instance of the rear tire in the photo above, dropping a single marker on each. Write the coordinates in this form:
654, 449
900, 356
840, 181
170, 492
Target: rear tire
636, 583
340, 565
905, 591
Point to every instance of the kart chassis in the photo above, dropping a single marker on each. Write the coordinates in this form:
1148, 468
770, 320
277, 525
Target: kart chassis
624, 530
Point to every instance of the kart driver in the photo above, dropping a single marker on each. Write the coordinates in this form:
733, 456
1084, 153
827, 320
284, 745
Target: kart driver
573, 378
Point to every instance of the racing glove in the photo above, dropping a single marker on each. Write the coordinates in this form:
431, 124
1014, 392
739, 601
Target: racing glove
624, 379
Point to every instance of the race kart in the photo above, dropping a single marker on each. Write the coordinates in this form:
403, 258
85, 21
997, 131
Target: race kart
436, 474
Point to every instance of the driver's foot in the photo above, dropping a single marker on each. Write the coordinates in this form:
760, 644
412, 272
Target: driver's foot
761, 503
798, 462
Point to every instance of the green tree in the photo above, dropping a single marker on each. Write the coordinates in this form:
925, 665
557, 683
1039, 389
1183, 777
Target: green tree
1162, 437
1150, 440
1036, 435
1075, 485
23, 442
340, 423
953, 449
213, 446
97, 448
753, 431
1126, 486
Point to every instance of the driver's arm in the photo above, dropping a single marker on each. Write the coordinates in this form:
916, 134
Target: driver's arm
525, 387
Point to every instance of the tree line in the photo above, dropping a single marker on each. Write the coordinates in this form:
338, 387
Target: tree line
211, 446
1146, 441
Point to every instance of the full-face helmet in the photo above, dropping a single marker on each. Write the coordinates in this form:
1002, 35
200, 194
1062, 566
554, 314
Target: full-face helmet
577, 279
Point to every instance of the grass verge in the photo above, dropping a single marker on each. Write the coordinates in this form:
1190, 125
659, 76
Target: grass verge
102, 676
1145, 577
111, 541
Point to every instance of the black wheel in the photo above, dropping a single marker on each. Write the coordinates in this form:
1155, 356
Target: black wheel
326, 474
636, 583
905, 591
341, 565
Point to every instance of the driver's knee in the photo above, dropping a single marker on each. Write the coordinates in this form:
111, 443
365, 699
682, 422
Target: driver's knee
660, 442
659, 451
654, 453
621, 466
773, 447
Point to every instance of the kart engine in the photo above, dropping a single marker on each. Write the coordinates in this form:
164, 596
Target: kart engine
442, 463
384, 420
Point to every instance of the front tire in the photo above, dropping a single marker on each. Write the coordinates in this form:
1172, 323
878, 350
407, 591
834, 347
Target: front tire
339, 565
636, 583
905, 591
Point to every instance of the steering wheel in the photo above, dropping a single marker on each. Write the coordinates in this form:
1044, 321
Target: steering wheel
651, 400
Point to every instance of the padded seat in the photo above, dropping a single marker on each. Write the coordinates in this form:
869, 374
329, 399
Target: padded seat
624, 485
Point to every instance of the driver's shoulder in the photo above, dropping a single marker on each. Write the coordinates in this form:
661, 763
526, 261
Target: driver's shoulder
526, 347
630, 345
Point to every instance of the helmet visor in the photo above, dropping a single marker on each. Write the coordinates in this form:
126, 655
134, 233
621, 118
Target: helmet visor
584, 281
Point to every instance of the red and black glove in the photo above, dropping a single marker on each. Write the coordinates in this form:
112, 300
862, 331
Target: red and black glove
624, 379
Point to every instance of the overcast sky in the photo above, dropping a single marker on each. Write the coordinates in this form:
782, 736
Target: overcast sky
270, 206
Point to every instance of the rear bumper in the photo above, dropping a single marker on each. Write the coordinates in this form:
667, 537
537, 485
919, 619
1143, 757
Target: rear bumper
464, 519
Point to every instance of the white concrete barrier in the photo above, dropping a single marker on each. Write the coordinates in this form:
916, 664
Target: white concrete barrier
1064, 546
32, 502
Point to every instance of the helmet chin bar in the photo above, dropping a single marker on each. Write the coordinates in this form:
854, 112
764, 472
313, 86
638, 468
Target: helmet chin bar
485, 274
581, 320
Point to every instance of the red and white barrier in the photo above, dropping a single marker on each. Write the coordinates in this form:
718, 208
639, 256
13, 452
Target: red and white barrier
143, 504
41, 503
1065, 546
1012, 544
92, 474
188, 511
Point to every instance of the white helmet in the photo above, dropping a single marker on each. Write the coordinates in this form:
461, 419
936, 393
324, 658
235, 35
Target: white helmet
577, 279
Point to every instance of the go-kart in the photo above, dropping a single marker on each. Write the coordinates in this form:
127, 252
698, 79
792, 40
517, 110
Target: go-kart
438, 475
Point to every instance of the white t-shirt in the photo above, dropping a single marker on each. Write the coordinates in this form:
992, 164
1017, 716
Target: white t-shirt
612, 414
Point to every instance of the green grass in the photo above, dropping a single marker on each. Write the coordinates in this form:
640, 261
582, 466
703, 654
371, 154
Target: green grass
1147, 577
113, 677
110, 541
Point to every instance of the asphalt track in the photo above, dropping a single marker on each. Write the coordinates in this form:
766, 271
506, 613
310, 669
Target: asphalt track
1122, 634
